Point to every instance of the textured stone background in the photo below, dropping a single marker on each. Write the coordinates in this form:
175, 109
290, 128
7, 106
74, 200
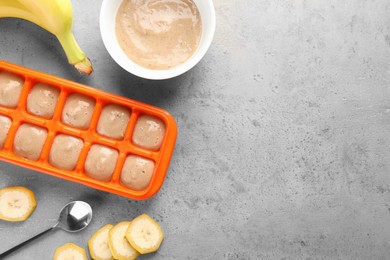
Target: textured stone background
284, 135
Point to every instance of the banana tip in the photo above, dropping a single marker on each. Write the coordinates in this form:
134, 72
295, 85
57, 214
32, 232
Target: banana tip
84, 66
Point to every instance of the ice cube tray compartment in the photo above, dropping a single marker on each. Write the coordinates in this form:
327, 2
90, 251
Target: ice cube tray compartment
90, 136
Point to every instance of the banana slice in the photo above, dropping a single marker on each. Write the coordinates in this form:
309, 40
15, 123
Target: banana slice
70, 251
120, 247
144, 234
98, 244
16, 203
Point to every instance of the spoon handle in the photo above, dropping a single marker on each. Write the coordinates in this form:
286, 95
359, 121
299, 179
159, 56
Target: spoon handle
10, 251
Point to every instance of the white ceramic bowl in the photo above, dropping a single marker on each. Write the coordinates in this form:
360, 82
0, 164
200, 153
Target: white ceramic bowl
108, 14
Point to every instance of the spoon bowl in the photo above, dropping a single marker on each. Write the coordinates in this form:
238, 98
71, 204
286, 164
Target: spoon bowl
75, 216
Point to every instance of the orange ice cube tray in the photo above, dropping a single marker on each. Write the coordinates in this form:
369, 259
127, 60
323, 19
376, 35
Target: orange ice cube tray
54, 126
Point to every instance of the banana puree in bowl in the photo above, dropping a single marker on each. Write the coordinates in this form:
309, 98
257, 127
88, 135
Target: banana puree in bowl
158, 34
157, 39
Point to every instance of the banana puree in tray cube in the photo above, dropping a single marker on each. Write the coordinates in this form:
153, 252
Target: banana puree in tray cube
81, 134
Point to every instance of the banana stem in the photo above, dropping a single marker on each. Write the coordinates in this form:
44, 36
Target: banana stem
74, 53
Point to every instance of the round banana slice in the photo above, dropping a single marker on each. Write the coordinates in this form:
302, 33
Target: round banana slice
120, 247
144, 234
98, 244
70, 251
16, 203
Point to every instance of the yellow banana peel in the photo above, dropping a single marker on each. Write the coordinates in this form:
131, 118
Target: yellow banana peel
55, 16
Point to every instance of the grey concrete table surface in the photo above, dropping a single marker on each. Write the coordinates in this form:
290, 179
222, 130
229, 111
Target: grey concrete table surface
284, 135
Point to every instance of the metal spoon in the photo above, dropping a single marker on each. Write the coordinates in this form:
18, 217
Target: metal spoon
74, 217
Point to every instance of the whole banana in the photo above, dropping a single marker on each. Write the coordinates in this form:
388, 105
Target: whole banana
55, 16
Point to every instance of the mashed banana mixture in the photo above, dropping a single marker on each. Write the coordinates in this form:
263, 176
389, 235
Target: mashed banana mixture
158, 34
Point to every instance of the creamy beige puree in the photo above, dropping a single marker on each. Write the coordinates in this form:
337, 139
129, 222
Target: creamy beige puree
113, 121
78, 111
11, 86
29, 141
158, 34
65, 152
42, 100
5, 125
149, 132
137, 172
100, 162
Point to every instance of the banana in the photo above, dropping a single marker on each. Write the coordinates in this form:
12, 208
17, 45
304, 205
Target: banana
16, 203
119, 246
70, 251
144, 234
55, 16
98, 244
